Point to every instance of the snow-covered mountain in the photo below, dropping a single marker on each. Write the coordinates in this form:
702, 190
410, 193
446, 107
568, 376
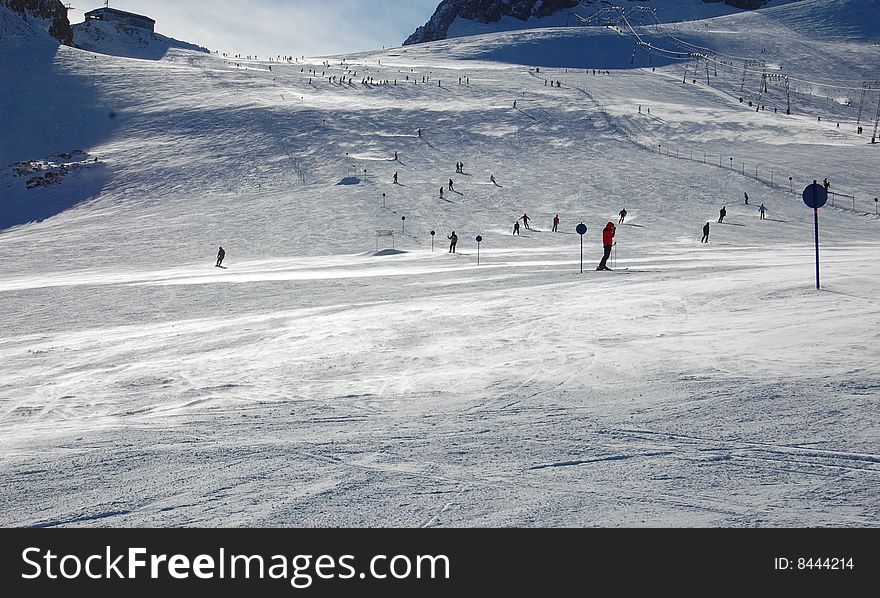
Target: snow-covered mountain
343, 368
458, 18
41, 19
44, 15
119, 39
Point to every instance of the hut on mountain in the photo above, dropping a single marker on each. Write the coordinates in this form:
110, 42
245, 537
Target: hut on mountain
120, 16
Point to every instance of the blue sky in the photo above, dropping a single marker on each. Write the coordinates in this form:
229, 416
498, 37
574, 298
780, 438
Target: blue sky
286, 27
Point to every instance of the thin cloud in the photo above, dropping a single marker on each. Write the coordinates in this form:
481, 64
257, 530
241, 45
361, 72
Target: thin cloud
273, 27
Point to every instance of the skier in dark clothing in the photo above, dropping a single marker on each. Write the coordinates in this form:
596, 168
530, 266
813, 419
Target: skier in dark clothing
722, 214
607, 243
450, 184
453, 239
622, 216
516, 227
220, 255
762, 209
746, 196
525, 219
705, 238
555, 223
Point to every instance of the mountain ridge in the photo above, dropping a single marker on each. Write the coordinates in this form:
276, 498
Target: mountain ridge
519, 14
48, 15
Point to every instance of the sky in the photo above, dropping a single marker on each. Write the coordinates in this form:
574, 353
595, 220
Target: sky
273, 27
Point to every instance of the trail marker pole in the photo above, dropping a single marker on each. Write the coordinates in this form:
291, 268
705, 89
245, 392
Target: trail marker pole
875, 206
478, 239
815, 196
383, 200
403, 223
581, 229
432, 241
790, 188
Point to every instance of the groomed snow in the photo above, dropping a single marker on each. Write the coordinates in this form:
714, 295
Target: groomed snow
316, 381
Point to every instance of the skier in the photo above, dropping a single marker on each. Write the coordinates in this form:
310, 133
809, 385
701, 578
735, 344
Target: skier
705, 238
492, 178
516, 227
450, 184
525, 219
622, 216
395, 157
395, 178
453, 239
555, 223
419, 132
441, 192
220, 255
746, 196
826, 184
762, 209
721, 214
514, 103
607, 242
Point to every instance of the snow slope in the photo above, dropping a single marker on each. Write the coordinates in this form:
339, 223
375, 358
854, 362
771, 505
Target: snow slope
118, 39
314, 381
667, 11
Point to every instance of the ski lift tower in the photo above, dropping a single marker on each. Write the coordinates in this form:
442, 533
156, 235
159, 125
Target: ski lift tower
866, 87
642, 11
749, 63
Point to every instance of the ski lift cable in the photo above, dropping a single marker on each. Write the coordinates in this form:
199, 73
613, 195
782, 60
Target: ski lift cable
702, 53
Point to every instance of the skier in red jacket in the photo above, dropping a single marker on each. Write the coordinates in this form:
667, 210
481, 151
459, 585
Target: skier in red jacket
607, 242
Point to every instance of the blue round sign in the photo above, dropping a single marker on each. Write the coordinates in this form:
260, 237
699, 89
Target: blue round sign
403, 217
581, 228
432, 233
479, 238
815, 195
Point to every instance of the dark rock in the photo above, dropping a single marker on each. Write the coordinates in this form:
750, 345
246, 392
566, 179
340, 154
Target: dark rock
52, 11
491, 11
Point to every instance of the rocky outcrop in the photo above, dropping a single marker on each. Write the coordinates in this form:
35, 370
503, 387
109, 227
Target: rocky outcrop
483, 11
491, 11
743, 4
50, 15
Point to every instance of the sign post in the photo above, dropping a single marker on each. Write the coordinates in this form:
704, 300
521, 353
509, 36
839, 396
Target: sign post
403, 223
432, 241
815, 196
383, 200
479, 239
581, 229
